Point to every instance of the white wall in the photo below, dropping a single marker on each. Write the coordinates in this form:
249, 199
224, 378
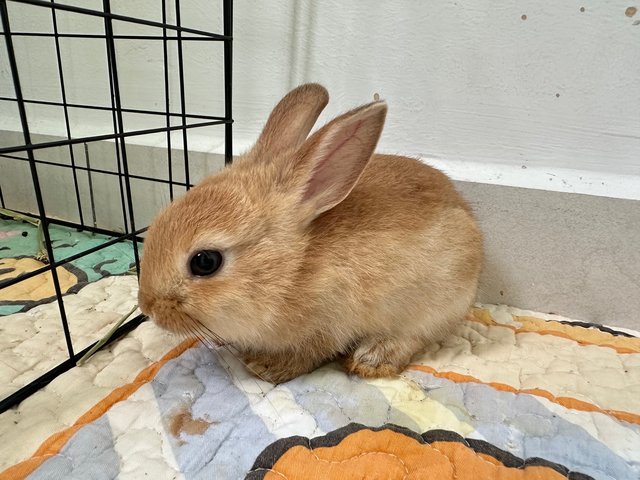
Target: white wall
551, 101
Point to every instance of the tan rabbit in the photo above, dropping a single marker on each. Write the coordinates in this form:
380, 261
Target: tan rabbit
311, 249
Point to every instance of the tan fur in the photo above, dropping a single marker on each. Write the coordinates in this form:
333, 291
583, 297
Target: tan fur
310, 275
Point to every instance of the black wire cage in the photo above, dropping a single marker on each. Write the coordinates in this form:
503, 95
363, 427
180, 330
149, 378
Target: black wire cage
172, 116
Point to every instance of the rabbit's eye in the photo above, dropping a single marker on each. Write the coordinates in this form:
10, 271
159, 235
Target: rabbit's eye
205, 263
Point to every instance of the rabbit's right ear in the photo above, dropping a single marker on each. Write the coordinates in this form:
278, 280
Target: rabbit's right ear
292, 119
328, 165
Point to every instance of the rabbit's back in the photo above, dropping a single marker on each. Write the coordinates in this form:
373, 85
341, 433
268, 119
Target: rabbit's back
398, 199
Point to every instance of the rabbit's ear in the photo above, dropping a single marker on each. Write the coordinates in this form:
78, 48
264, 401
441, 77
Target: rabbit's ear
331, 161
292, 119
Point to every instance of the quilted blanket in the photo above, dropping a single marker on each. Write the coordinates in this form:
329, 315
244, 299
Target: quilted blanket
512, 394
31, 336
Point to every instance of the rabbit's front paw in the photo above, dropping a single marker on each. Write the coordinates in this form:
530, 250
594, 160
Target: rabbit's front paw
275, 368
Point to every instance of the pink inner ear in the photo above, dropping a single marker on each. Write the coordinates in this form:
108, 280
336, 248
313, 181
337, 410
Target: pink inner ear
337, 169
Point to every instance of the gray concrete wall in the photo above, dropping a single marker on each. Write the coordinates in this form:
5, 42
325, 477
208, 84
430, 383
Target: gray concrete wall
569, 254
58, 188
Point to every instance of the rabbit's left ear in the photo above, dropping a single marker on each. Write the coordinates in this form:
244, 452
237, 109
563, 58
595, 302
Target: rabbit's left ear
292, 119
330, 162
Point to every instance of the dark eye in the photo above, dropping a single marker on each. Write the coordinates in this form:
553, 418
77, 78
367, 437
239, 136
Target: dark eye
206, 262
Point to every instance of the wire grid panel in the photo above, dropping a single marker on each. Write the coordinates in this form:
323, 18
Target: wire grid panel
105, 100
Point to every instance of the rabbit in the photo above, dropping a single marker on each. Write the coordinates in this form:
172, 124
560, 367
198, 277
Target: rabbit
310, 249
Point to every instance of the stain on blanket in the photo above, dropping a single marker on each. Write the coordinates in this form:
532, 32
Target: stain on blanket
182, 422
394, 452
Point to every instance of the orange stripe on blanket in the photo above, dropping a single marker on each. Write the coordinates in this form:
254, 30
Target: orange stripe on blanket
395, 456
567, 402
52, 445
580, 335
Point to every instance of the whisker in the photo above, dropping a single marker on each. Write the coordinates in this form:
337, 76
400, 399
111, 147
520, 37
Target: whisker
224, 344
204, 334
212, 348
201, 334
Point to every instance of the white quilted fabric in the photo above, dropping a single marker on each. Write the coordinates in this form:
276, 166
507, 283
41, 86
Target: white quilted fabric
31, 343
530, 389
